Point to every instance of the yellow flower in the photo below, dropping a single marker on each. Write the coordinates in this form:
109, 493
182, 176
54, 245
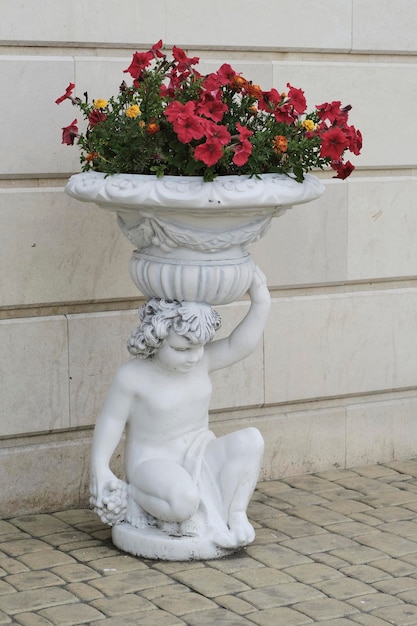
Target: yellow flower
100, 104
133, 111
309, 125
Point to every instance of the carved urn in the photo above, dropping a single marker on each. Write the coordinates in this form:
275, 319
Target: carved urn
192, 237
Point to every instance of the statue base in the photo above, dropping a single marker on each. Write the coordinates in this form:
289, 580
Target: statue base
153, 543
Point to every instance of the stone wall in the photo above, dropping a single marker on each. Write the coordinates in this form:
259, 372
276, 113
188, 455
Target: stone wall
334, 384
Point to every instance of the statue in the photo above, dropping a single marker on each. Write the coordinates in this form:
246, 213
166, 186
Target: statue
186, 490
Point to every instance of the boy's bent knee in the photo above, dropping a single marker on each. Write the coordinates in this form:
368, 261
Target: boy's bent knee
183, 503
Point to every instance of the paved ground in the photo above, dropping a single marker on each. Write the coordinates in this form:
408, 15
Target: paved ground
334, 548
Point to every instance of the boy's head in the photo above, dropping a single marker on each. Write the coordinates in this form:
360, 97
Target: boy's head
196, 321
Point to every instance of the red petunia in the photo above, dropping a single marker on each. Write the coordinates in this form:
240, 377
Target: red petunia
173, 110
243, 131
96, 117
242, 153
67, 94
343, 169
212, 108
355, 140
332, 111
334, 143
217, 131
69, 133
297, 99
140, 61
156, 50
285, 114
269, 100
184, 62
214, 81
210, 152
186, 123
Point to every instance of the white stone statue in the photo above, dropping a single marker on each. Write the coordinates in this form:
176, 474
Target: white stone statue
186, 491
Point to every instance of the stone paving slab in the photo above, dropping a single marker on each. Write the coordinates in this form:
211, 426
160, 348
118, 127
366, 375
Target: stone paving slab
336, 548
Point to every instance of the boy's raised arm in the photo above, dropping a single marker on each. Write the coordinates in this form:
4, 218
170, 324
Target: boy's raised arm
246, 336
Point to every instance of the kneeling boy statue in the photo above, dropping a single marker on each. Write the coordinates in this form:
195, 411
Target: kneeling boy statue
186, 490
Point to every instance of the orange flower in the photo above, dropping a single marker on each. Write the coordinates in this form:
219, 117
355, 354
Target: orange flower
254, 90
152, 128
91, 156
280, 144
141, 124
238, 82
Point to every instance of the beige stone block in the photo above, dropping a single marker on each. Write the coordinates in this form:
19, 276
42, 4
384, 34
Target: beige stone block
34, 375
77, 21
296, 442
370, 29
271, 24
241, 384
351, 83
378, 432
54, 249
32, 137
308, 244
50, 475
382, 227
302, 442
191, 23
97, 348
342, 343
101, 76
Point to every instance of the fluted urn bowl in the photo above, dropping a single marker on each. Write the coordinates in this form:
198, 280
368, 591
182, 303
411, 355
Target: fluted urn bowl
192, 237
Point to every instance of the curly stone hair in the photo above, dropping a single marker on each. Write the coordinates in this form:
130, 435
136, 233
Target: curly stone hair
196, 321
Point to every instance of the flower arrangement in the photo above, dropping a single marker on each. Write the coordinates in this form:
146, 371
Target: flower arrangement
174, 120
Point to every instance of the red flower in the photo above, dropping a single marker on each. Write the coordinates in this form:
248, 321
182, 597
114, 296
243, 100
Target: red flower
242, 153
243, 131
269, 100
67, 94
285, 114
212, 107
222, 77
182, 60
297, 99
216, 131
343, 169
332, 111
334, 143
186, 124
355, 140
226, 73
210, 152
140, 61
156, 50
96, 117
69, 133
173, 110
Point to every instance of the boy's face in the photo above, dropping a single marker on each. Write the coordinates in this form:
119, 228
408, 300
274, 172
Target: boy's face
178, 354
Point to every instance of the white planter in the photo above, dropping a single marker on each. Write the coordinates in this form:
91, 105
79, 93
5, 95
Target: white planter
191, 238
